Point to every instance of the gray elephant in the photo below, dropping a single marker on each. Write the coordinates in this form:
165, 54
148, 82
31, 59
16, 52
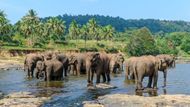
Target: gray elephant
130, 62
78, 63
30, 63
52, 69
98, 63
146, 66
169, 63
116, 62
64, 60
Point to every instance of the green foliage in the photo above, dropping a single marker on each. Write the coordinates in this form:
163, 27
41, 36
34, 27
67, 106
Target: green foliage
141, 43
165, 47
5, 27
74, 30
186, 44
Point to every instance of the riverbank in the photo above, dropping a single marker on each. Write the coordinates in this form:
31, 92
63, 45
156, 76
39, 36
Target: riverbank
124, 100
7, 63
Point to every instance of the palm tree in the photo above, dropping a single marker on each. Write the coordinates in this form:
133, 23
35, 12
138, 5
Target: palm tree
108, 32
84, 32
74, 30
55, 28
92, 26
5, 26
28, 25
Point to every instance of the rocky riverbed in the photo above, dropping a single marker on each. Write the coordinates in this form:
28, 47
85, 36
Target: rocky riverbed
124, 100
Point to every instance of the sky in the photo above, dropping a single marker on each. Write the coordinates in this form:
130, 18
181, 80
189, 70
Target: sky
127, 9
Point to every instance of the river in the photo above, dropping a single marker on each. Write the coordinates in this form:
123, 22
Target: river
73, 90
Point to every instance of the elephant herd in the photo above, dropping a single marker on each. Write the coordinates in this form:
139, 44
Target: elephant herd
55, 66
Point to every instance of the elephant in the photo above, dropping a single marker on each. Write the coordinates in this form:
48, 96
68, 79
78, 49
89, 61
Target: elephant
116, 62
64, 60
146, 66
98, 63
169, 63
130, 62
53, 69
30, 63
77, 63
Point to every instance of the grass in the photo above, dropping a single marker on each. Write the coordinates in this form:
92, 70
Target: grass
73, 45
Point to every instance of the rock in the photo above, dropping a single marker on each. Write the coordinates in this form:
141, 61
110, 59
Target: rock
92, 104
123, 100
22, 99
101, 86
1, 94
20, 95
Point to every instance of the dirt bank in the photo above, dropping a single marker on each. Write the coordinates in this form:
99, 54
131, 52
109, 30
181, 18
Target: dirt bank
123, 100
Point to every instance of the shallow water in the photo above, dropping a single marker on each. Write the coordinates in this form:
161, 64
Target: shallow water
72, 91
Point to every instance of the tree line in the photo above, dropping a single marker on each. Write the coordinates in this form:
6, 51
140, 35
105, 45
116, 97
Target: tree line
33, 31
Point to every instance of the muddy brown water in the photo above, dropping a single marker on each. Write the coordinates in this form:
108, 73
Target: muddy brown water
73, 91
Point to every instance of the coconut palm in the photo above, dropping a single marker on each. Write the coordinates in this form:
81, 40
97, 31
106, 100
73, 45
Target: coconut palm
84, 32
55, 28
5, 26
108, 32
92, 26
74, 30
28, 26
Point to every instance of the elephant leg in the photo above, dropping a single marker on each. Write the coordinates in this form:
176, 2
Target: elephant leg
165, 76
127, 73
149, 82
32, 72
108, 77
92, 76
139, 81
89, 74
97, 78
28, 75
155, 77
104, 77
49, 76
78, 70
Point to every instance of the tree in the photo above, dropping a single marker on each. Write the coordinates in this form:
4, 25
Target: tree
141, 43
84, 32
74, 30
28, 26
109, 32
5, 26
186, 44
92, 26
55, 28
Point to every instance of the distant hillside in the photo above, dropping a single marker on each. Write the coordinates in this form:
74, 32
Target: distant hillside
121, 24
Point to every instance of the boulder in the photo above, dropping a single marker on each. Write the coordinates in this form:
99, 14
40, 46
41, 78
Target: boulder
22, 99
101, 86
123, 100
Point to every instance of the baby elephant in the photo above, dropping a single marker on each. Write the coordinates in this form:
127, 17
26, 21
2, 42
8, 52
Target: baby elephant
53, 70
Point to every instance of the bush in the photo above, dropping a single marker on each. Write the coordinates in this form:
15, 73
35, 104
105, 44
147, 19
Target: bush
101, 45
112, 50
90, 49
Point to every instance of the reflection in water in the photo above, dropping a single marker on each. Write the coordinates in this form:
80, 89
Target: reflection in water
73, 91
